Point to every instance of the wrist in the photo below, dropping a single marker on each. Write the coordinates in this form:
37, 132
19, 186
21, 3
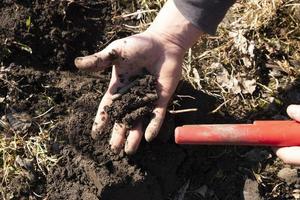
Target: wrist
172, 26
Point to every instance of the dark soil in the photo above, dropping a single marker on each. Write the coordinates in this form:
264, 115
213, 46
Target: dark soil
87, 169
136, 103
51, 33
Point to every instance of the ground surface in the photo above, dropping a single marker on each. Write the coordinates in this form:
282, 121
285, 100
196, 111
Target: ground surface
47, 110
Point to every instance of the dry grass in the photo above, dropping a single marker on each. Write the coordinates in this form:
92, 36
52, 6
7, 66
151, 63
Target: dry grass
21, 155
24, 145
254, 43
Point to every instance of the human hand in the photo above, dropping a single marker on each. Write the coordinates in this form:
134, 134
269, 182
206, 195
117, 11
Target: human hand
160, 49
161, 57
291, 155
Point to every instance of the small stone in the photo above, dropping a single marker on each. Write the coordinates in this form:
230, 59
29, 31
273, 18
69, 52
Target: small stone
251, 191
289, 175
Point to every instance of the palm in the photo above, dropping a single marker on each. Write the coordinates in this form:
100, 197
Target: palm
140, 52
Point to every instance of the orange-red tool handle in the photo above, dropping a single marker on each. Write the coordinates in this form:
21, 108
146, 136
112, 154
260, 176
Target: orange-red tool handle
264, 133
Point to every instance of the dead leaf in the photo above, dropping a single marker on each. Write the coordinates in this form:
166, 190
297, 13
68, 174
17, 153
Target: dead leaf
24, 162
197, 78
222, 75
251, 49
19, 121
236, 88
275, 73
249, 86
247, 62
240, 42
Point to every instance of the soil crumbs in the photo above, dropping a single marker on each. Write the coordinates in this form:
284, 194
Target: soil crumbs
133, 102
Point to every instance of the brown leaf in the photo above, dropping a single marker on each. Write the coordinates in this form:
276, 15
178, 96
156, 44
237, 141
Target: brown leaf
249, 86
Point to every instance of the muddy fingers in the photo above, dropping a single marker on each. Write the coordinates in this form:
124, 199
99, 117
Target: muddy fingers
117, 137
134, 101
154, 126
133, 140
129, 105
101, 118
99, 61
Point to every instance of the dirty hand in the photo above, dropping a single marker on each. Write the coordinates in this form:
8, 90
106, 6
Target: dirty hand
160, 49
291, 155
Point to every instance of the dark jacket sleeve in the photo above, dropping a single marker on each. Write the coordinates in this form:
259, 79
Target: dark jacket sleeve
205, 14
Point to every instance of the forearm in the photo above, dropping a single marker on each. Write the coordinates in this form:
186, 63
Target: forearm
171, 24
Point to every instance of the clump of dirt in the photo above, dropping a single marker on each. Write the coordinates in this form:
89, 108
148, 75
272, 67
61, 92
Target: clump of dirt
134, 101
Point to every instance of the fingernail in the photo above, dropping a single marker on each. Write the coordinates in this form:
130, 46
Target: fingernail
149, 137
77, 60
293, 111
128, 150
94, 134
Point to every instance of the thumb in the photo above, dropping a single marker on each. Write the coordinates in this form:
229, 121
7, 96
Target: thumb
101, 60
294, 112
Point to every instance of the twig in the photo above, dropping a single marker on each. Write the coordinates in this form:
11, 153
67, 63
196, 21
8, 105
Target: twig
41, 115
11, 84
38, 195
267, 88
138, 12
109, 41
220, 106
134, 27
185, 96
183, 111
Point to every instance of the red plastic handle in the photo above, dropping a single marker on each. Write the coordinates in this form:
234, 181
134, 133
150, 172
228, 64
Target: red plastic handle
263, 133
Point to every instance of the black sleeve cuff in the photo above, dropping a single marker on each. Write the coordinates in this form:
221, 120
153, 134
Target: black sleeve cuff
204, 14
